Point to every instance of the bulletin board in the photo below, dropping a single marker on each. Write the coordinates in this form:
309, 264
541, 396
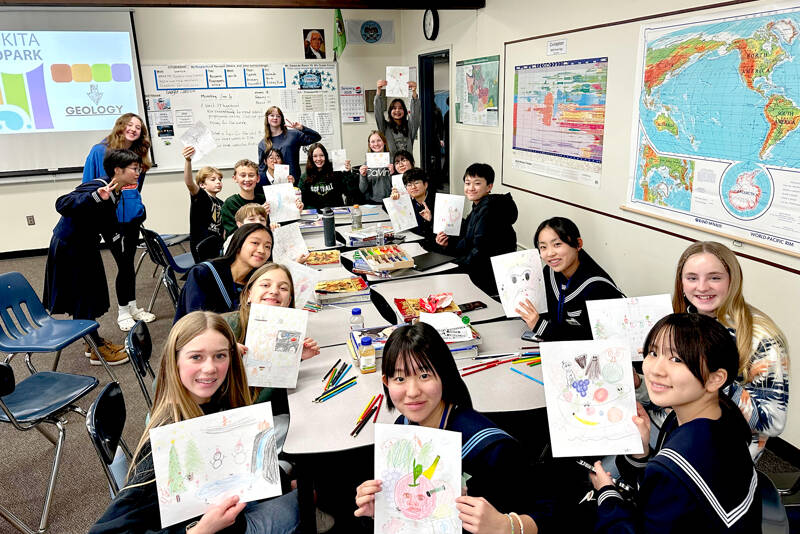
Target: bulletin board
231, 99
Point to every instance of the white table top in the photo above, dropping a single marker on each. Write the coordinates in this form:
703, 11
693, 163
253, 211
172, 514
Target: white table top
331, 325
414, 249
326, 426
316, 241
459, 284
347, 229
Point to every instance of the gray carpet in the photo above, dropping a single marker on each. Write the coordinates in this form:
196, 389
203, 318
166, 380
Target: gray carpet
81, 493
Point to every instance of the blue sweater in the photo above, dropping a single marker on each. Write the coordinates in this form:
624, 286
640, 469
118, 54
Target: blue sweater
130, 206
289, 144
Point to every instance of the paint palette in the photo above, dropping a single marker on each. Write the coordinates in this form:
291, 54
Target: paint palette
386, 258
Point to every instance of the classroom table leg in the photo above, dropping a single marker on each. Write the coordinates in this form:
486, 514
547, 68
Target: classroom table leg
305, 497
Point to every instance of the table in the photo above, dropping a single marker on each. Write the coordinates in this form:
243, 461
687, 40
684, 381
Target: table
459, 284
330, 325
316, 241
414, 249
346, 230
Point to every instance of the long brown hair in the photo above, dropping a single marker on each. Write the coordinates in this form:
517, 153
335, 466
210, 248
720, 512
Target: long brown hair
734, 312
116, 139
267, 131
244, 305
383, 138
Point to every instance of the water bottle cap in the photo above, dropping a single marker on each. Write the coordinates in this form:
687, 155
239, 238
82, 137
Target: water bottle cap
355, 205
465, 319
365, 341
356, 311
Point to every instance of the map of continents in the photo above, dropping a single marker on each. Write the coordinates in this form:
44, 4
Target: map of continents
725, 91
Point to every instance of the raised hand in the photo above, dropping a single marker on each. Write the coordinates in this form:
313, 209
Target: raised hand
188, 152
426, 212
381, 84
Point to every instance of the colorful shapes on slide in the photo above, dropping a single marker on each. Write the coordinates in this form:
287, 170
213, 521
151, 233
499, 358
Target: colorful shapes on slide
121, 72
41, 109
14, 88
60, 73
98, 72
81, 72
101, 72
11, 120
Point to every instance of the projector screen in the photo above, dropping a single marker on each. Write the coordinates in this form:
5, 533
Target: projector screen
65, 77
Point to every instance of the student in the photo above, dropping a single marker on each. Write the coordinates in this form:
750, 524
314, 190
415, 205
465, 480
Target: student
205, 210
399, 131
421, 380
699, 477
416, 182
199, 374
129, 132
322, 187
245, 174
271, 158
286, 136
376, 184
215, 285
708, 281
487, 231
250, 213
74, 278
403, 160
571, 277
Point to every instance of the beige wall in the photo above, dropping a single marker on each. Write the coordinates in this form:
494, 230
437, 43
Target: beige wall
641, 261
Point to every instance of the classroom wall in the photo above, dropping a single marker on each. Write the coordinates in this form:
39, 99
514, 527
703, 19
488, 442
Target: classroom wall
616, 245
184, 35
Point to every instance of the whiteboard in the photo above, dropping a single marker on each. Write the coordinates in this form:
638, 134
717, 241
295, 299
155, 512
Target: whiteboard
231, 99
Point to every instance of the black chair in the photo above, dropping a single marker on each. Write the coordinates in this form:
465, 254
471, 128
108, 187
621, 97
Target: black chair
43, 397
773, 514
163, 258
140, 347
104, 422
169, 239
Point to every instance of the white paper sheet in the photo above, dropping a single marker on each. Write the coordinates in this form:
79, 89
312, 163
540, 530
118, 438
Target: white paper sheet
281, 174
421, 472
202, 461
588, 388
282, 206
401, 213
448, 324
397, 183
288, 243
519, 276
338, 159
630, 319
199, 136
274, 343
377, 160
305, 280
397, 82
447, 214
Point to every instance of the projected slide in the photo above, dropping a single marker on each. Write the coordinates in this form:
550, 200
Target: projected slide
64, 81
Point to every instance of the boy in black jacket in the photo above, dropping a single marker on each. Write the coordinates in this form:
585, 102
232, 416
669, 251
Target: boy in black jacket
487, 231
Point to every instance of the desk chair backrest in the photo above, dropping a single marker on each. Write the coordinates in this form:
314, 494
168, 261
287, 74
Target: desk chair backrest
14, 292
104, 422
159, 252
140, 347
773, 514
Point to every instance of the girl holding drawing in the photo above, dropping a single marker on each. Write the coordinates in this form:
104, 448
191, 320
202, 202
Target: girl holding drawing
400, 132
571, 277
708, 281
376, 183
215, 285
322, 187
421, 380
286, 136
273, 157
199, 375
699, 477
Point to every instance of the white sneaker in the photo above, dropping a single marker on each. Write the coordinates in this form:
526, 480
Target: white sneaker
140, 314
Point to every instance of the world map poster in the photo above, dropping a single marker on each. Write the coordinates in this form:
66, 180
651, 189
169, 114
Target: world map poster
477, 91
717, 124
559, 119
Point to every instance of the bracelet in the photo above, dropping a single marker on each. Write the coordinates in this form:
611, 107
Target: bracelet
518, 518
511, 523
191, 525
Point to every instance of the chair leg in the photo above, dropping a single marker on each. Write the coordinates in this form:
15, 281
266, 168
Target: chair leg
29, 363
54, 473
141, 260
50, 438
153, 298
15, 521
55, 363
146, 394
93, 346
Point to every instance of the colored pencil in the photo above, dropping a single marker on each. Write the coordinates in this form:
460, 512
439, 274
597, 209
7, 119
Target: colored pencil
380, 403
337, 391
488, 366
362, 424
367, 407
349, 381
527, 375
531, 364
526, 360
488, 356
535, 347
336, 373
330, 379
339, 378
331, 369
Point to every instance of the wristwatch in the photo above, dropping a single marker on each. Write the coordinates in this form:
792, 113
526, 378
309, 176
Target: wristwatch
191, 525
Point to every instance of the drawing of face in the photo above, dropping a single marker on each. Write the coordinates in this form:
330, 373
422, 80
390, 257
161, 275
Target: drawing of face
212, 184
561, 257
518, 285
705, 282
669, 381
375, 143
203, 365
417, 396
246, 177
319, 158
272, 288
256, 249
413, 501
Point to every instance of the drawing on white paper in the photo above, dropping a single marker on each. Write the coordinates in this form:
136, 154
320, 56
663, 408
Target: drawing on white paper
199, 137
305, 280
421, 472
288, 243
447, 214
401, 213
281, 200
519, 276
397, 82
397, 183
338, 159
274, 343
377, 160
627, 319
281, 174
201, 461
590, 398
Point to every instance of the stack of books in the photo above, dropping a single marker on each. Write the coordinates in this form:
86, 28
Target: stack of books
460, 350
342, 291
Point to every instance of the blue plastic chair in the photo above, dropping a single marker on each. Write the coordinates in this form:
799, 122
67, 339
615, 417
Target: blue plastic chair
170, 265
43, 397
105, 420
36, 331
139, 347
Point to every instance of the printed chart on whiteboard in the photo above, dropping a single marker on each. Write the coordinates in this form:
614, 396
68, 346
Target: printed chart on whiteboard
231, 99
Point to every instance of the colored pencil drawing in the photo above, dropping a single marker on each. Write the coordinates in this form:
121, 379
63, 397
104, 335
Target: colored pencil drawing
288, 243
590, 398
274, 343
447, 214
281, 200
628, 319
201, 461
421, 473
397, 82
377, 160
305, 280
519, 276
401, 213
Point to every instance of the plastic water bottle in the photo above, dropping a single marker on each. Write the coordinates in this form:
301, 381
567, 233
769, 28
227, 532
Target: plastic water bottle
329, 227
366, 355
379, 235
355, 217
356, 319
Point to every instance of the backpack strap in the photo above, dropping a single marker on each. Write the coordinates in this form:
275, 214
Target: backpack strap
219, 283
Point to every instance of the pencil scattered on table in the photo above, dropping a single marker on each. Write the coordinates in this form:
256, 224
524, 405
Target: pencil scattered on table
484, 366
526, 375
334, 383
332, 392
372, 408
331, 370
